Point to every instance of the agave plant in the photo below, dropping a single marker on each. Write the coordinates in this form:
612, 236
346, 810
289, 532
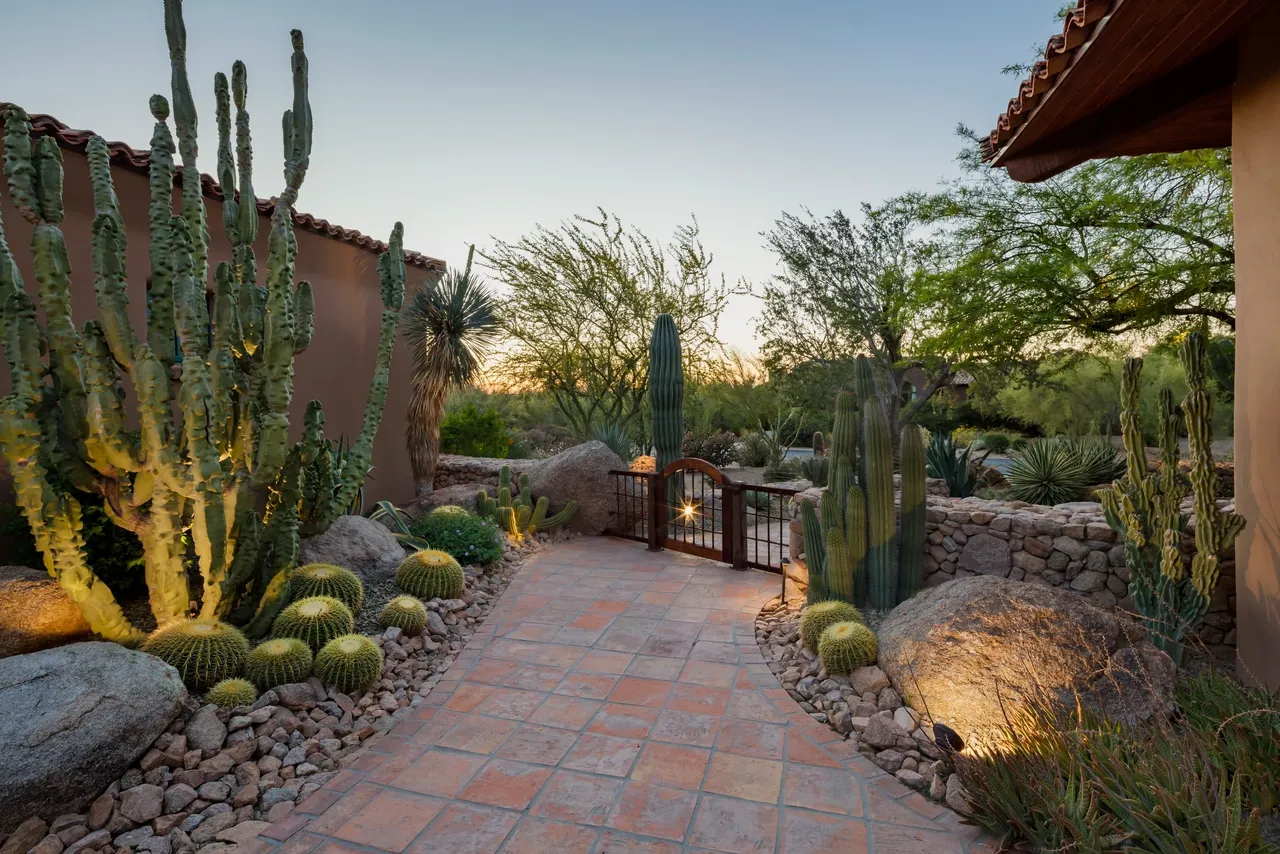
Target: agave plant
945, 459
618, 440
450, 326
1048, 473
397, 521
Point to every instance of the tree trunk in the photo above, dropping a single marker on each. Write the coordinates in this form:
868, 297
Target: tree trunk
422, 431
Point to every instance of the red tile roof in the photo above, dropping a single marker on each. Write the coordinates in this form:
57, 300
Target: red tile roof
1060, 53
139, 159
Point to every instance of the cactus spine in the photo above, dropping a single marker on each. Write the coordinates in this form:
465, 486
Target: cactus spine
1144, 508
518, 514
200, 463
911, 536
882, 585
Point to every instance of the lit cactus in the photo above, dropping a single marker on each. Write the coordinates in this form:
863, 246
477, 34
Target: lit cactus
230, 693
815, 553
315, 621
882, 584
406, 613
279, 661
431, 574
204, 652
1145, 508
516, 513
205, 462
818, 616
911, 533
844, 647
349, 663
322, 579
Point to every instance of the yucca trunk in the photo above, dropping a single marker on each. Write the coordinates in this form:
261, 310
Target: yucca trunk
422, 434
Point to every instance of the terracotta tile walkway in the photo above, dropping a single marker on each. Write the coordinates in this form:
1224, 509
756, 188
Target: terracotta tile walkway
616, 701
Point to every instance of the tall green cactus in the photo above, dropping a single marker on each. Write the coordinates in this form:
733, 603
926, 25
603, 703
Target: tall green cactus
517, 513
216, 463
1144, 508
882, 585
666, 402
912, 503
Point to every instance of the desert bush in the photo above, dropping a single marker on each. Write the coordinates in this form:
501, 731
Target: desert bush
1048, 473
1099, 460
716, 447
540, 442
753, 450
995, 443
468, 537
617, 438
475, 432
945, 459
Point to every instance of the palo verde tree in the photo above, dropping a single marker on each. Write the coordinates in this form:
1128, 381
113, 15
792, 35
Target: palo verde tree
213, 461
582, 301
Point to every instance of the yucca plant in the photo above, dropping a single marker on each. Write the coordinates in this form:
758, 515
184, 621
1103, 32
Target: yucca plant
450, 326
1099, 460
949, 461
617, 438
1046, 473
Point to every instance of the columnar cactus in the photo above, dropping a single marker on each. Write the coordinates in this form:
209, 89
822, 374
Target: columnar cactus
666, 390
1144, 508
517, 513
911, 534
882, 585
205, 463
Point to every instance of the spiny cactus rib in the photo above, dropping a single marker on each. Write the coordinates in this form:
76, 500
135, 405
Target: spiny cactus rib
279, 661
818, 616
882, 584
349, 663
431, 574
316, 621
405, 613
201, 465
230, 693
203, 652
844, 647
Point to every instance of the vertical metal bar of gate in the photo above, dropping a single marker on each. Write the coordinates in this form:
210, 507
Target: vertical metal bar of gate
657, 520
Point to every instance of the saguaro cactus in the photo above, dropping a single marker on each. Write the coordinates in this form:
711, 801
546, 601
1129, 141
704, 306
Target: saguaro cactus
666, 391
206, 462
1144, 508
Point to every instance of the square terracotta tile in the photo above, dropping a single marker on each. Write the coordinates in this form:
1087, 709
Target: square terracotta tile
602, 754
645, 609
506, 784
736, 827
439, 772
510, 703
607, 606
802, 750
720, 633
624, 721
558, 655
542, 745
667, 586
896, 839
475, 734
671, 765
824, 789
813, 833
591, 621
688, 615
753, 706
640, 692
604, 661
698, 698
338, 812
539, 836
565, 712
685, 728
651, 810
655, 667
391, 820
467, 696
655, 598
745, 777
592, 686
751, 738
532, 632
466, 829
713, 674
618, 843
667, 647
578, 637
535, 677
725, 653
491, 671
578, 798
620, 640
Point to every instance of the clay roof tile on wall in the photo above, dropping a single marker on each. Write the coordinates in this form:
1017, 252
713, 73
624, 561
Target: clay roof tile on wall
1061, 51
139, 159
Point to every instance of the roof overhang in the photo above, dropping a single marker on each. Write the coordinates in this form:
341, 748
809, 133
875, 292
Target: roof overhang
1125, 77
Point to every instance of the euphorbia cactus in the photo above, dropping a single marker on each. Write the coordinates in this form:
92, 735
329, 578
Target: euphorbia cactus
217, 462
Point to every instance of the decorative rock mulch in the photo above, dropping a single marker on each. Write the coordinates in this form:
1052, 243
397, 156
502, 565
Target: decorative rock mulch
219, 777
862, 708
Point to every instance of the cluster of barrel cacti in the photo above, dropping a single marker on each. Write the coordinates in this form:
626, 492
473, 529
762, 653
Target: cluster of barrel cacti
857, 552
516, 511
1144, 507
215, 464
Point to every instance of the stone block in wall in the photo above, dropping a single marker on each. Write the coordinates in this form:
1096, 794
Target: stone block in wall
1028, 562
986, 555
1072, 548
1038, 546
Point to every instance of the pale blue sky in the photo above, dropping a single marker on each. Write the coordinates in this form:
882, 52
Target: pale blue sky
487, 117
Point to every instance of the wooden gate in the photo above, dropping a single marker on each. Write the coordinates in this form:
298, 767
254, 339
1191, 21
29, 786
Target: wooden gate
693, 507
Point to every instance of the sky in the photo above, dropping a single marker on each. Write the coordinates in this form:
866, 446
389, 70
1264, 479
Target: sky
482, 119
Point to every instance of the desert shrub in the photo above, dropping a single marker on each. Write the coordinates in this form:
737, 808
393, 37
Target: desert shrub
475, 432
468, 537
113, 553
1047, 472
753, 450
995, 443
540, 442
1099, 460
1078, 782
617, 438
945, 459
716, 447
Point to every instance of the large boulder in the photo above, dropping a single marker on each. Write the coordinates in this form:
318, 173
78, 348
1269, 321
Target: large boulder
73, 720
363, 546
579, 474
34, 613
460, 494
972, 649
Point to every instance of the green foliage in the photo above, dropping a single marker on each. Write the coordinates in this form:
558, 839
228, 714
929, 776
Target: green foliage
431, 574
716, 447
114, 554
475, 432
322, 579
515, 511
844, 647
279, 661
1077, 782
215, 461
617, 439
349, 663
203, 652
819, 615
753, 450
405, 613
468, 537
1047, 472
541, 441
995, 443
945, 460
398, 523
316, 621
1098, 458
230, 693
813, 469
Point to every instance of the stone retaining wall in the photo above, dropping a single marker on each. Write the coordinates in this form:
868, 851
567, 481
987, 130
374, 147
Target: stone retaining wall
453, 469
1070, 545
